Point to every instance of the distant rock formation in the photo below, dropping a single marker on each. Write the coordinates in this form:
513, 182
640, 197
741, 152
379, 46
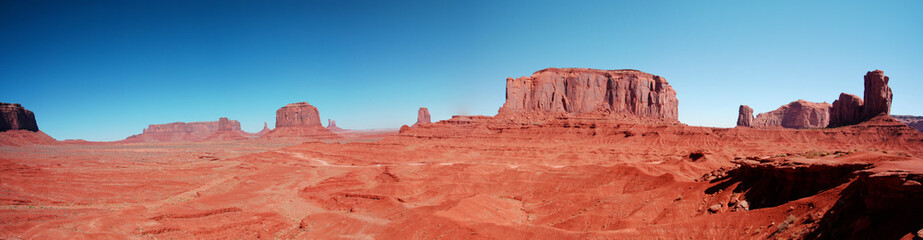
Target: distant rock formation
849, 109
265, 129
184, 132
15, 117
797, 114
915, 122
19, 128
744, 116
332, 126
297, 114
423, 116
299, 120
575, 91
227, 131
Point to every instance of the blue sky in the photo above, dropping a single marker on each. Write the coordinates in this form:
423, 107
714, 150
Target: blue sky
105, 70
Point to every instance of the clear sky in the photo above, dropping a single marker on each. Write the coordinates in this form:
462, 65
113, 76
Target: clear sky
105, 70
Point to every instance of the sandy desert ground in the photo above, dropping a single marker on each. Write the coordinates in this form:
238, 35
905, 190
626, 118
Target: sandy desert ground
478, 179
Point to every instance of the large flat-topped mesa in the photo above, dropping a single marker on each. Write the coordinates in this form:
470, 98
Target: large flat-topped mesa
297, 114
299, 120
185, 132
581, 90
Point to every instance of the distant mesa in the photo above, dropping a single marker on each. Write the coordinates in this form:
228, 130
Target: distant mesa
332, 126
422, 117
18, 127
190, 132
916, 122
848, 109
299, 120
555, 92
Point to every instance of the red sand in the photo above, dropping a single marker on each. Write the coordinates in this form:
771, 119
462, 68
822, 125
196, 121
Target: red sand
478, 178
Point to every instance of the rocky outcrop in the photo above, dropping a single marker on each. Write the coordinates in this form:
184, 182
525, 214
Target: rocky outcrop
265, 129
744, 116
297, 114
225, 124
184, 132
798, 114
576, 91
877, 94
227, 131
850, 109
423, 117
332, 126
15, 117
18, 127
299, 120
847, 110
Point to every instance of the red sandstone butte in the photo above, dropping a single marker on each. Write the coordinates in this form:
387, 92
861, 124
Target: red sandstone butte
850, 109
423, 117
797, 114
745, 116
15, 117
847, 110
575, 91
877, 94
299, 120
297, 114
18, 127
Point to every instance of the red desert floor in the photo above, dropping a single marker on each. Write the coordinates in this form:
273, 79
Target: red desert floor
556, 181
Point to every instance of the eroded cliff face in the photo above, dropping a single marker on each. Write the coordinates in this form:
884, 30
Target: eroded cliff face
798, 114
575, 91
14, 117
